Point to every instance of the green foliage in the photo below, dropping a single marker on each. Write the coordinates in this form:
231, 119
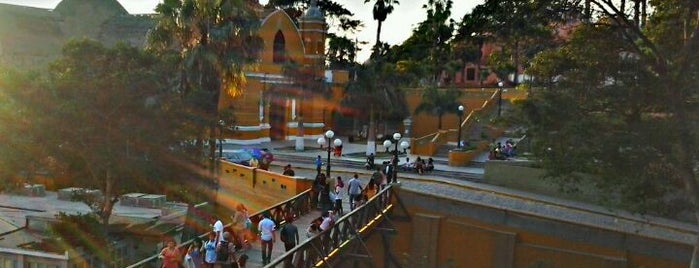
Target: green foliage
375, 92
380, 11
428, 48
521, 28
18, 143
601, 99
341, 52
104, 118
210, 43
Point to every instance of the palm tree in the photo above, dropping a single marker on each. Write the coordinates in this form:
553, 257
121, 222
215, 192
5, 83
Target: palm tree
381, 10
376, 92
439, 103
211, 42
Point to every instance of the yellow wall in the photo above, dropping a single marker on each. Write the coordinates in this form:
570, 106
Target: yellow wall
433, 239
242, 184
426, 123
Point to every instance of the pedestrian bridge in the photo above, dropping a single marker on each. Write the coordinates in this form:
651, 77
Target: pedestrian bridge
345, 238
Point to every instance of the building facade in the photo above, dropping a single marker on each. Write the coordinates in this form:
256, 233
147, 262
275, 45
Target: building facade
289, 93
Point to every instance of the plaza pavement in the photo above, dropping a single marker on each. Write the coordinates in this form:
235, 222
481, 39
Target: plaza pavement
355, 152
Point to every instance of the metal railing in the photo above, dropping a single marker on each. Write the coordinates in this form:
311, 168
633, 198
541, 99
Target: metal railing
321, 249
298, 206
429, 143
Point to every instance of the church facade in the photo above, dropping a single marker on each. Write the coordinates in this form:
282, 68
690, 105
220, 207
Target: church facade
289, 93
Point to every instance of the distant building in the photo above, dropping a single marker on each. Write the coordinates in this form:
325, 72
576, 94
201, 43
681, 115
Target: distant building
135, 231
31, 37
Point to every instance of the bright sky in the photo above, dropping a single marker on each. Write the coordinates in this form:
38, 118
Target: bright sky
397, 27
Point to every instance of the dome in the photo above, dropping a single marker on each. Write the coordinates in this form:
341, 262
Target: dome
313, 12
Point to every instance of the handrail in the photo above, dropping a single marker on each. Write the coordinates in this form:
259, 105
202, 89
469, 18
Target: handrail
320, 249
425, 139
298, 205
437, 137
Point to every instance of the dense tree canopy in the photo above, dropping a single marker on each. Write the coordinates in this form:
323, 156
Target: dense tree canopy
96, 115
210, 42
618, 101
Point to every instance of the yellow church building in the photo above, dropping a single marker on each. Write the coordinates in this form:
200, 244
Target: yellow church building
276, 105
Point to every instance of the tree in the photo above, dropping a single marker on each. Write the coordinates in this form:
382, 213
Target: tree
522, 28
602, 97
18, 142
375, 91
381, 10
211, 43
439, 103
428, 48
108, 112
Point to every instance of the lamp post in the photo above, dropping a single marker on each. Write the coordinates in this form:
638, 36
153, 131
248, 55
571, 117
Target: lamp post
321, 141
500, 85
460, 112
403, 145
221, 123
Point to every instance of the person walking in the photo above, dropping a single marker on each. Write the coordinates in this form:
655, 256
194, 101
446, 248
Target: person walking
371, 189
170, 255
194, 258
354, 189
266, 227
225, 252
209, 249
388, 171
289, 234
339, 195
217, 228
319, 165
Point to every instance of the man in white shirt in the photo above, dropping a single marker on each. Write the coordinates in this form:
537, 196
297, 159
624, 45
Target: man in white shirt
266, 227
217, 228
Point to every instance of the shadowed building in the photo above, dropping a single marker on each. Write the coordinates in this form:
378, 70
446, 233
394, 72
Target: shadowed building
32, 37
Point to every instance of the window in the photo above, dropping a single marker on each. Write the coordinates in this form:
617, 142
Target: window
470, 74
279, 53
8, 262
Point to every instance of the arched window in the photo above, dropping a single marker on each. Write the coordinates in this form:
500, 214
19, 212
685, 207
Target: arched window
279, 48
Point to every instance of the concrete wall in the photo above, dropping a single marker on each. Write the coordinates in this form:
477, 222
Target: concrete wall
256, 188
449, 233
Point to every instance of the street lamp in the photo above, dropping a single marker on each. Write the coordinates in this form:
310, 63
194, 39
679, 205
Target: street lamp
500, 85
221, 124
460, 112
403, 145
337, 142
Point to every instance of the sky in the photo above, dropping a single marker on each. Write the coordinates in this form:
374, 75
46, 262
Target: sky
397, 27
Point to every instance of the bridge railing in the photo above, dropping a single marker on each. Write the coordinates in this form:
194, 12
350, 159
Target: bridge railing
320, 249
298, 206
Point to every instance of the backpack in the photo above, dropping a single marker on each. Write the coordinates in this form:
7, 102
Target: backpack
222, 251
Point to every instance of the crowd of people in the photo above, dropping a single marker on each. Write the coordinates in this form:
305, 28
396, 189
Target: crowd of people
499, 151
226, 247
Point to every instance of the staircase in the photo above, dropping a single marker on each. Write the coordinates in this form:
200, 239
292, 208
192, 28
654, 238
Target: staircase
443, 151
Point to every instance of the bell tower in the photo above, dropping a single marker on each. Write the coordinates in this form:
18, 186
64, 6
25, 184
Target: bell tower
313, 31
